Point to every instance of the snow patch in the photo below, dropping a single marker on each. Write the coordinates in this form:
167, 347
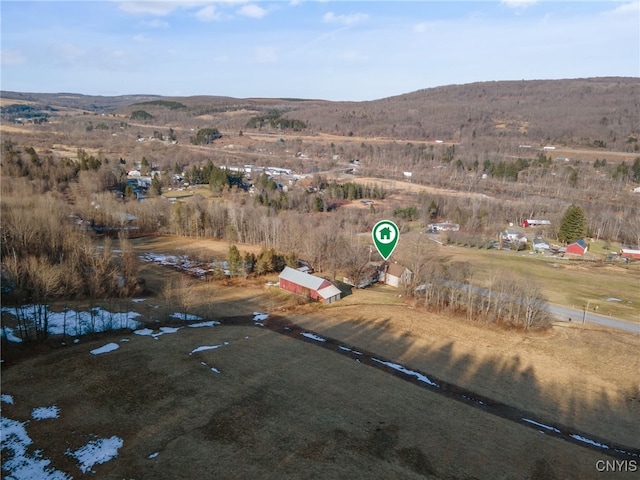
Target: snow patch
541, 425
589, 441
347, 349
149, 333
187, 317
259, 317
43, 413
8, 332
211, 323
4, 398
71, 322
313, 337
16, 462
400, 368
205, 348
96, 452
109, 347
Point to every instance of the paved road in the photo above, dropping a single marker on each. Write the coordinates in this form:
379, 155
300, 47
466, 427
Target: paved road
563, 313
566, 313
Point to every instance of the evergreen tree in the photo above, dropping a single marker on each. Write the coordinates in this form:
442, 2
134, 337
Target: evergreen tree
156, 186
236, 264
249, 262
573, 225
635, 170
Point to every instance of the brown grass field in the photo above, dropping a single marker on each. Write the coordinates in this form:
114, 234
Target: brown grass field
281, 408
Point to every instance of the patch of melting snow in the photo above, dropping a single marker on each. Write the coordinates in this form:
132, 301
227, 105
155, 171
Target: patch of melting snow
184, 263
400, 368
43, 413
8, 332
541, 425
627, 453
479, 402
206, 347
259, 317
347, 349
313, 337
109, 347
187, 317
138, 300
16, 462
4, 398
580, 438
96, 452
147, 332
153, 455
215, 370
71, 322
211, 323
612, 299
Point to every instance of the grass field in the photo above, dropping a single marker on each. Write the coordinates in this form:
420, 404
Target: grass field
281, 408
278, 409
562, 281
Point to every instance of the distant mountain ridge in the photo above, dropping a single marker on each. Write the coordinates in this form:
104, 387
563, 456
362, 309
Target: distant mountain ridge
603, 111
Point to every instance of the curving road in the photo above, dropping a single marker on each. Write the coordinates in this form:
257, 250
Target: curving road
576, 316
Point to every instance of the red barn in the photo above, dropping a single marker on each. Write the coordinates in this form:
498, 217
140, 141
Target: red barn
577, 248
307, 285
630, 253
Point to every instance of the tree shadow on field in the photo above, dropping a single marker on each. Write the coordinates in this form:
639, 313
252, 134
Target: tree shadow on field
505, 385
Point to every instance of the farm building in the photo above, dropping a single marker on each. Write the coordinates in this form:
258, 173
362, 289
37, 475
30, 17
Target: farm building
629, 253
307, 285
443, 227
578, 247
532, 222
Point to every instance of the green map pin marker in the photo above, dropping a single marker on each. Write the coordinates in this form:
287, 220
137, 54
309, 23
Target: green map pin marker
385, 237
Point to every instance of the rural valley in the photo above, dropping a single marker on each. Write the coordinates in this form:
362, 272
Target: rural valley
190, 288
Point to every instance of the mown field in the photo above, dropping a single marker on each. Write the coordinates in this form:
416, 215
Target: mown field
281, 408
567, 282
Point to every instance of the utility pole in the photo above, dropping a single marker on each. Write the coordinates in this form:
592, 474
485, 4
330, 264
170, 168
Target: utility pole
584, 314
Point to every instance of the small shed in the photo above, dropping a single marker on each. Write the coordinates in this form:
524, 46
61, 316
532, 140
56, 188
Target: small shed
310, 286
578, 247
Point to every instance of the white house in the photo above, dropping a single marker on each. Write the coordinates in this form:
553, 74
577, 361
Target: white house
395, 275
540, 245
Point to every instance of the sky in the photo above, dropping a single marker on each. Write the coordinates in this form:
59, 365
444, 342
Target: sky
333, 50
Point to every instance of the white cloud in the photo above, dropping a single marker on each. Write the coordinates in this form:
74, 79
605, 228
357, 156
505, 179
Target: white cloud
140, 38
295, 3
155, 23
69, 53
627, 8
518, 3
149, 7
252, 10
423, 27
11, 57
265, 55
208, 14
348, 20
353, 56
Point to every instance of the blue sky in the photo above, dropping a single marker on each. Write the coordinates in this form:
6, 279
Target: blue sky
335, 50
